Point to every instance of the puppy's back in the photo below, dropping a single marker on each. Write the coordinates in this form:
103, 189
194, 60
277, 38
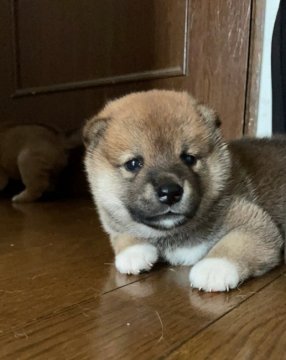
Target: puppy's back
263, 161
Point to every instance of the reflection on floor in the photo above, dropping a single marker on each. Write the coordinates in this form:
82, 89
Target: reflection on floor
61, 298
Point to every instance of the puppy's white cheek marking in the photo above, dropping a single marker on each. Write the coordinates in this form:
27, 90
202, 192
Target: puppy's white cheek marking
106, 191
186, 255
214, 274
187, 191
136, 258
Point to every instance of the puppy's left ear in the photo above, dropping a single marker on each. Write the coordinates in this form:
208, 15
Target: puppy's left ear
94, 130
209, 115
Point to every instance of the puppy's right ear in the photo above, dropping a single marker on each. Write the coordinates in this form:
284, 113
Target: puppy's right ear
209, 115
94, 130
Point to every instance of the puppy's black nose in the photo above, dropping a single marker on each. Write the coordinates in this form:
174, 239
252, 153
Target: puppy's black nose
170, 193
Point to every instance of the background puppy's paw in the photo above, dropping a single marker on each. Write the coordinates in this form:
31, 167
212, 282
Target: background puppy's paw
26, 196
136, 258
214, 274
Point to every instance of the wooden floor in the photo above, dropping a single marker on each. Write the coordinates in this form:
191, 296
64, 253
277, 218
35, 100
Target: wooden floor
61, 298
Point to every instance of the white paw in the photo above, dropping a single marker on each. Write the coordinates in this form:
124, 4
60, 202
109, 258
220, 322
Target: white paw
214, 274
136, 258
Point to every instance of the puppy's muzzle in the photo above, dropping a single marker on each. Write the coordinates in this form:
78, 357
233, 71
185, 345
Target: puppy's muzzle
170, 193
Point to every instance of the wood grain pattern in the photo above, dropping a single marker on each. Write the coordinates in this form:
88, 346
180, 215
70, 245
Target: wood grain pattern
254, 330
254, 66
61, 297
92, 41
145, 320
44, 263
216, 71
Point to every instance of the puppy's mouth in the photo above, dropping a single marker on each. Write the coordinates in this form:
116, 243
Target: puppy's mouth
165, 221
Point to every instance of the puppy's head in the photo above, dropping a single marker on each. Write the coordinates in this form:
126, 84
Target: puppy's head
155, 161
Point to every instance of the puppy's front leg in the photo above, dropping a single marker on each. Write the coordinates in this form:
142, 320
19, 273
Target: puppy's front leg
236, 257
133, 255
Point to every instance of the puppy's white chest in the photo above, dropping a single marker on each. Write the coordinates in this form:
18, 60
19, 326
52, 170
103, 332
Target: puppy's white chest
186, 255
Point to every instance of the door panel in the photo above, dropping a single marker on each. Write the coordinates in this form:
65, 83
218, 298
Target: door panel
97, 42
61, 60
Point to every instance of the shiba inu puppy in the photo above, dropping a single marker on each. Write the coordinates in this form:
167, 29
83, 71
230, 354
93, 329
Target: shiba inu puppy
34, 154
168, 186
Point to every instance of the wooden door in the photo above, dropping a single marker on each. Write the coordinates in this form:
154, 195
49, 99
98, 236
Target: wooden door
62, 59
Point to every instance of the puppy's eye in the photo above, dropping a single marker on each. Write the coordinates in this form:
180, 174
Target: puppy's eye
134, 164
188, 159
